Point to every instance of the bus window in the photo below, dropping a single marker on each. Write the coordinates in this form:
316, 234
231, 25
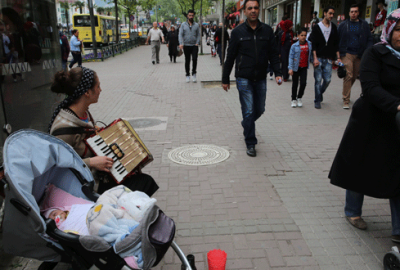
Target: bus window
82, 21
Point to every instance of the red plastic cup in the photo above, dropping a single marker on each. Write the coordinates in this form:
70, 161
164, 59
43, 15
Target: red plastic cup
216, 259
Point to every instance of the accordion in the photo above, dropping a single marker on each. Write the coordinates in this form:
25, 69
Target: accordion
120, 142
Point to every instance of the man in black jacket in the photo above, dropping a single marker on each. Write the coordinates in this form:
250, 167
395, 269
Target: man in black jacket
355, 38
325, 47
252, 46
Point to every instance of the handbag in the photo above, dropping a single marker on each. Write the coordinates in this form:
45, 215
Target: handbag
179, 51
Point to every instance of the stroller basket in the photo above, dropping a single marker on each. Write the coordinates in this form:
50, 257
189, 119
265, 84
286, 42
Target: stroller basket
33, 160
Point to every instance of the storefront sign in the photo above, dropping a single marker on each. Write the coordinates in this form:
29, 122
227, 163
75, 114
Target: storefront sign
239, 5
392, 6
368, 12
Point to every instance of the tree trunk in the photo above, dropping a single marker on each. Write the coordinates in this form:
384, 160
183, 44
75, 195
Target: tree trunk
116, 21
67, 17
80, 10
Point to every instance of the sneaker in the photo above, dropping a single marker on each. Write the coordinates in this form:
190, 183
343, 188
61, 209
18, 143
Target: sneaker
299, 102
396, 238
194, 78
251, 151
188, 79
294, 104
270, 77
359, 223
346, 106
317, 105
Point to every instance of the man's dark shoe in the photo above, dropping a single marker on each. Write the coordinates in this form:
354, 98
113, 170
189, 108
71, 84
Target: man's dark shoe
153, 62
396, 238
359, 223
251, 152
317, 105
158, 62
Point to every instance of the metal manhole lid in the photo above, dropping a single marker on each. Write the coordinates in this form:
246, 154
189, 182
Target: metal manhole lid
198, 155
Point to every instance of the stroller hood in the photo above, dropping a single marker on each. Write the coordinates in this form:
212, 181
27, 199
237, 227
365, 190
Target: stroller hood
33, 159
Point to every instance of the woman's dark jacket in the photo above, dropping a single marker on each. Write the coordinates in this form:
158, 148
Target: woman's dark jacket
368, 159
173, 42
251, 50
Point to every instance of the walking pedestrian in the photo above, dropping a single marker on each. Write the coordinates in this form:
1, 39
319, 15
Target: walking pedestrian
65, 50
299, 59
252, 46
189, 40
380, 17
173, 43
325, 46
76, 49
285, 42
218, 41
355, 38
154, 36
369, 153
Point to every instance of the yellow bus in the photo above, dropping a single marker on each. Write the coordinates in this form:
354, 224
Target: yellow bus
104, 28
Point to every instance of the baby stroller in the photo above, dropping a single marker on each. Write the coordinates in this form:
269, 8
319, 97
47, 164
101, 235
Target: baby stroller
32, 160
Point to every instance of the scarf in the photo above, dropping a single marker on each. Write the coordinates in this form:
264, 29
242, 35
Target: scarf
85, 84
285, 28
390, 23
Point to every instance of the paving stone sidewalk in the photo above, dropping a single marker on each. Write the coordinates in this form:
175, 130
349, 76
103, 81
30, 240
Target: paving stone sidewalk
275, 211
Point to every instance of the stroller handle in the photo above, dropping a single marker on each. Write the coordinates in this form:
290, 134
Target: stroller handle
181, 255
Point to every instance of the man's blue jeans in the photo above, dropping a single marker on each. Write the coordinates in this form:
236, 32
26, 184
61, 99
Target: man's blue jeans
252, 96
354, 202
322, 72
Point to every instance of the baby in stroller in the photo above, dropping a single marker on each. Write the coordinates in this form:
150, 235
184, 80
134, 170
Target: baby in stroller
115, 215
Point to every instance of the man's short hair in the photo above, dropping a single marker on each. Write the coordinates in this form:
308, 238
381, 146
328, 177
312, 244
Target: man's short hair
74, 31
284, 18
191, 11
246, 1
355, 6
328, 8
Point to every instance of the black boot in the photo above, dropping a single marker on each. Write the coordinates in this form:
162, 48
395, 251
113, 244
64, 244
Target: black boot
174, 58
170, 57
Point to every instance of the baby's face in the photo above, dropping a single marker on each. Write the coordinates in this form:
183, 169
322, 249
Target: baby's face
58, 212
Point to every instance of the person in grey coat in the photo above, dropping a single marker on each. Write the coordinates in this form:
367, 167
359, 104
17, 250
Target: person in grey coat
189, 40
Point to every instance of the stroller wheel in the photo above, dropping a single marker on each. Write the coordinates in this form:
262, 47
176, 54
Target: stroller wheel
391, 261
47, 265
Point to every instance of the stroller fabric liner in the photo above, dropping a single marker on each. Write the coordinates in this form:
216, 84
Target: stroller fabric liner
34, 159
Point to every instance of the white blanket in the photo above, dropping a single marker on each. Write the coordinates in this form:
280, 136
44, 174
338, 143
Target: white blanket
76, 219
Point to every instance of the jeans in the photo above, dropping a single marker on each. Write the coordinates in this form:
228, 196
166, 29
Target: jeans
190, 51
354, 202
302, 74
322, 72
252, 96
77, 59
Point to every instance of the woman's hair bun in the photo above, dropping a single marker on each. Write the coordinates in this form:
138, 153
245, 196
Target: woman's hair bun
66, 82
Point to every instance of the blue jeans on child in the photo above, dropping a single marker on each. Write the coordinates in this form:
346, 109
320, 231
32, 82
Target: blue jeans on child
322, 72
252, 96
354, 203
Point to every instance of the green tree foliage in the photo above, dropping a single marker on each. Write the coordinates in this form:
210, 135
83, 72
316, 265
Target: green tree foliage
100, 10
80, 5
65, 5
185, 5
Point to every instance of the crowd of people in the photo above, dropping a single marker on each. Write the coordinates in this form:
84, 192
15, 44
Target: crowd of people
367, 158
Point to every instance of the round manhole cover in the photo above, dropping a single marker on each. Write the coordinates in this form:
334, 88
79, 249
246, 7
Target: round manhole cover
145, 122
197, 155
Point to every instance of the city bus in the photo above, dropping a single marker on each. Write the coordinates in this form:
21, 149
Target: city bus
104, 28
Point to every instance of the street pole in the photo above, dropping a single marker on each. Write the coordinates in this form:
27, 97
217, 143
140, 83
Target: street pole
156, 13
223, 38
93, 23
201, 27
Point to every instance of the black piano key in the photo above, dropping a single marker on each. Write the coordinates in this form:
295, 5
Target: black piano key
119, 165
97, 140
104, 148
120, 170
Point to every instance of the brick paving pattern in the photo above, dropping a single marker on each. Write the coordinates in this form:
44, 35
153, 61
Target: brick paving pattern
275, 211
